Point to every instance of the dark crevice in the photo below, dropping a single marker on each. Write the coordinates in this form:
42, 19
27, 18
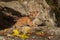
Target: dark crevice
7, 21
12, 11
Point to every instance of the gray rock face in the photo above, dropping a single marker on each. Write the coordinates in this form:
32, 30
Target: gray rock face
14, 5
44, 18
26, 7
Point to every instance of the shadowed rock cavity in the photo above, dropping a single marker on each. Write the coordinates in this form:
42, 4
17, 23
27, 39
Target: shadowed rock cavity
6, 20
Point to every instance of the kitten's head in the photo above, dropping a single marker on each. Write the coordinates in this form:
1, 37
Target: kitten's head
33, 14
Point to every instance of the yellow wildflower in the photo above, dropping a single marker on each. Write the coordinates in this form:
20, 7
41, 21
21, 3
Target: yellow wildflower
15, 32
23, 36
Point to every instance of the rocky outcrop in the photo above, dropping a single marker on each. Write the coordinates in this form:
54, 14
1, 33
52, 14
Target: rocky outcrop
15, 10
